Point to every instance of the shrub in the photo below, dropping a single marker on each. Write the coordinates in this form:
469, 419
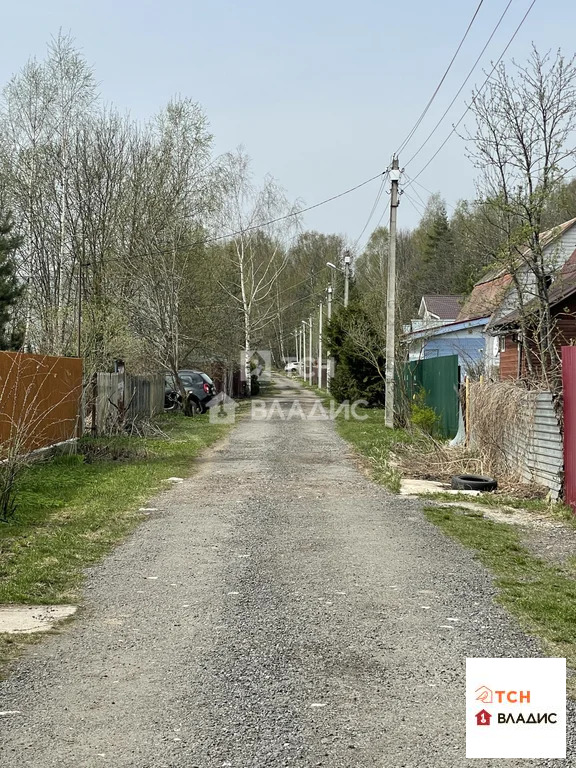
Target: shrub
422, 415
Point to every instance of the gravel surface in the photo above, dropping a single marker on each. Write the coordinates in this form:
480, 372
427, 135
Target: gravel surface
278, 610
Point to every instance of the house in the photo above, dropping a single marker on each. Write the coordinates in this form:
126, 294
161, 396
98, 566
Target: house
465, 339
437, 333
435, 311
496, 295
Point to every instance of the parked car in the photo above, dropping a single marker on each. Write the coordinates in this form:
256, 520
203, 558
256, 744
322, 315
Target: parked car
292, 368
199, 388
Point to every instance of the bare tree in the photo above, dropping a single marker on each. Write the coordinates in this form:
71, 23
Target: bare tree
523, 140
257, 256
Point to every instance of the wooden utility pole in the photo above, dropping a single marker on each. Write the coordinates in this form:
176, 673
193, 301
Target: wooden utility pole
391, 296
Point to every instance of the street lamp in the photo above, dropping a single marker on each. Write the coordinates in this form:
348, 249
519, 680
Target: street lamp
346, 272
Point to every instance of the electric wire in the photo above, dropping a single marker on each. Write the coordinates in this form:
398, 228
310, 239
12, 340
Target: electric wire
475, 96
468, 76
431, 100
374, 207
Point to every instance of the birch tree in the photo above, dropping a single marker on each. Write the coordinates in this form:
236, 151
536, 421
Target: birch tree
257, 252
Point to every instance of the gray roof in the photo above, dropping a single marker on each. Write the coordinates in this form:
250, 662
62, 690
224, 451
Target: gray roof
444, 307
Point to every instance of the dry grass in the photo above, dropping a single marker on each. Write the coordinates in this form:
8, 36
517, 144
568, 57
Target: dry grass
428, 459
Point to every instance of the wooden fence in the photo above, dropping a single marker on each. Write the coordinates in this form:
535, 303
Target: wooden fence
122, 396
39, 400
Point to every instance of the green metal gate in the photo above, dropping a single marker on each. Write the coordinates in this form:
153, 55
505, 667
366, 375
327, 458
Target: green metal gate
438, 377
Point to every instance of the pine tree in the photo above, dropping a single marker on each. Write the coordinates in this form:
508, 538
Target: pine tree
10, 290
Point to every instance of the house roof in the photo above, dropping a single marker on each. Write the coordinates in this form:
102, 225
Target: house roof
486, 295
441, 330
563, 287
489, 291
443, 307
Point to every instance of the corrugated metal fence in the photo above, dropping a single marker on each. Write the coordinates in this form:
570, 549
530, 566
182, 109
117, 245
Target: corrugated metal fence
39, 400
123, 396
438, 377
533, 448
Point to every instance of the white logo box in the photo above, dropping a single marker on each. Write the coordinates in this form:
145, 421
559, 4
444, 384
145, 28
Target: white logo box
501, 693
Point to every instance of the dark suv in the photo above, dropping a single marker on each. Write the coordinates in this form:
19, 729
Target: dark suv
199, 388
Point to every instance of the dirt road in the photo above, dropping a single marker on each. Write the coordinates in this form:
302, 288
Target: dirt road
278, 609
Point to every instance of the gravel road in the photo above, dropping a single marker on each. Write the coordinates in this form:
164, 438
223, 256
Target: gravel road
278, 609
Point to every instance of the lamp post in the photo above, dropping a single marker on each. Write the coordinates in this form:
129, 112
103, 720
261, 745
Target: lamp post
328, 357
346, 272
304, 349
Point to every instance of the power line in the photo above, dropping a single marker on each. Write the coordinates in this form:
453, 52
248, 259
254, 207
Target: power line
263, 224
468, 76
417, 206
376, 201
427, 107
475, 96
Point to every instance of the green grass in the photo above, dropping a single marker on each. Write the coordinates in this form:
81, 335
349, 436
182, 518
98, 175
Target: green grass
541, 595
71, 511
372, 439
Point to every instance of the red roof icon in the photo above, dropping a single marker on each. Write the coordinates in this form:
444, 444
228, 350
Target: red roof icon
483, 717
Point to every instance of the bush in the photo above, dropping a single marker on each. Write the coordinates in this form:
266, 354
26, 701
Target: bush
422, 415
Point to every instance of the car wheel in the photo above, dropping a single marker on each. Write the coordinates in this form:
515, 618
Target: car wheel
473, 483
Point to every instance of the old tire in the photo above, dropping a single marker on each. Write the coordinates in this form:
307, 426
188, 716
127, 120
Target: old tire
473, 483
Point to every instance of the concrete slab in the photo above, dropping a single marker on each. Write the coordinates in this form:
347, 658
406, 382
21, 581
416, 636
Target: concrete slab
26, 619
411, 486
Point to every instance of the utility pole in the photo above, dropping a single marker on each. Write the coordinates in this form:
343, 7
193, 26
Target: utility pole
310, 369
346, 276
320, 348
328, 357
297, 343
391, 296
304, 349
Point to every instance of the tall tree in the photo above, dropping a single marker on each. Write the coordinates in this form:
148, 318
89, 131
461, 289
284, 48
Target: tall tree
10, 290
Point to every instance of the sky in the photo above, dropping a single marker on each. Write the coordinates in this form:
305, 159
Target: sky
320, 93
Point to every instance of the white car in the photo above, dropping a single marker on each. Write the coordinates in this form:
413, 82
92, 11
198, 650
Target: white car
292, 368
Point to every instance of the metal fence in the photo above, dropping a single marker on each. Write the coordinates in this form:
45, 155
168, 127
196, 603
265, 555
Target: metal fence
438, 377
529, 444
39, 400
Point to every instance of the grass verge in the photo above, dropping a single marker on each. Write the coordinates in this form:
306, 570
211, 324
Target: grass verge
542, 596
73, 509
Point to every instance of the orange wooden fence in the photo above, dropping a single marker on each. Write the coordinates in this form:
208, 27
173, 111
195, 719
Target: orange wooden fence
39, 400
